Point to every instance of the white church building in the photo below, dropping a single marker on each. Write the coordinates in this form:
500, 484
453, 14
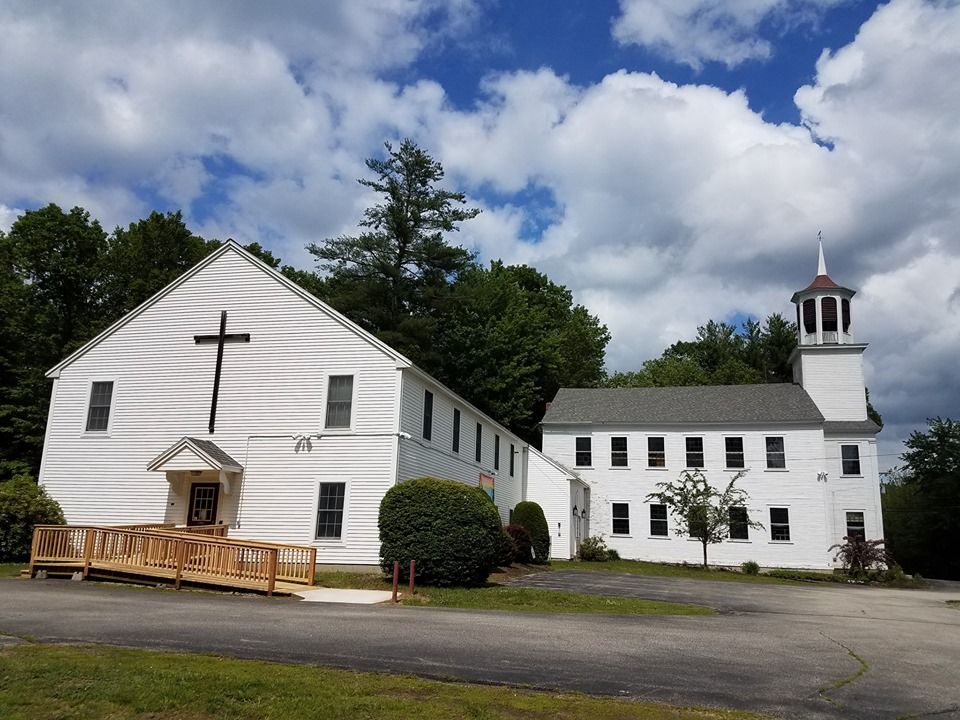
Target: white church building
235, 397
808, 447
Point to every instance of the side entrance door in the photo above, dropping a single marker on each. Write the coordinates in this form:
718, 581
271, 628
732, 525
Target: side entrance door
204, 498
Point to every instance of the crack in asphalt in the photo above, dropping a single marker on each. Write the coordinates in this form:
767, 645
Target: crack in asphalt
844, 681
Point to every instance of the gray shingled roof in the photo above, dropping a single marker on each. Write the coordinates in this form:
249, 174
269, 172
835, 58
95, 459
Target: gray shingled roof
214, 451
839, 427
771, 403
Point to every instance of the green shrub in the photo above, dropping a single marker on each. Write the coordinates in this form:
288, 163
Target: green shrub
593, 549
750, 568
530, 515
612, 554
23, 504
505, 550
522, 543
451, 530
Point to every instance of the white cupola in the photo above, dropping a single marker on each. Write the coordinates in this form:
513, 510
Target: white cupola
823, 310
827, 362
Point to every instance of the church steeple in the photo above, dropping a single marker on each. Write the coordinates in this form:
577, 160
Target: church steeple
827, 362
823, 308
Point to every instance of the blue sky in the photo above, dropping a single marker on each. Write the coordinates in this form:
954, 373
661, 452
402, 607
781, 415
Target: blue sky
671, 160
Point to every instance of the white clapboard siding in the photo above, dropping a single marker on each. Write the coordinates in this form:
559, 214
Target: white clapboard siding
419, 457
796, 488
833, 377
274, 385
553, 489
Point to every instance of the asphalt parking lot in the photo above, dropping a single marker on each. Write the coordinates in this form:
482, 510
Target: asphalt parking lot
818, 652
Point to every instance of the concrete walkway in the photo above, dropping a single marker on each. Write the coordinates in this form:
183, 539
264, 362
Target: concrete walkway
339, 595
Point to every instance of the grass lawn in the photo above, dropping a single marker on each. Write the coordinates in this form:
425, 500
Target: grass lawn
638, 567
12, 569
43, 682
503, 597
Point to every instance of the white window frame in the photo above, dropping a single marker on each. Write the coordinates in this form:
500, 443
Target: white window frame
629, 519
650, 521
743, 451
747, 539
646, 464
576, 464
344, 525
841, 446
626, 452
846, 522
789, 524
86, 408
766, 456
353, 401
703, 451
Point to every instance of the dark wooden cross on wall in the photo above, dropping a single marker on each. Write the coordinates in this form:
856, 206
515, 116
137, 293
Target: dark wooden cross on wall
221, 338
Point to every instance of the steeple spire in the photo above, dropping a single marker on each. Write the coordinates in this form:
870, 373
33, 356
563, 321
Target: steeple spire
821, 263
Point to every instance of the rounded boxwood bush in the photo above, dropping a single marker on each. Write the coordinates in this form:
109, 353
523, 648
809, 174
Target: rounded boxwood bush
23, 504
451, 530
530, 515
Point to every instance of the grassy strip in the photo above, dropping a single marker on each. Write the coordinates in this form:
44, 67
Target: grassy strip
43, 682
638, 567
11, 569
501, 597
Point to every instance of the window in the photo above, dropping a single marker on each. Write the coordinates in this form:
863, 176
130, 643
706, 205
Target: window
427, 414
828, 314
850, 459
656, 457
496, 452
584, 457
456, 430
776, 457
739, 530
694, 452
734, 448
330, 510
618, 452
621, 518
512, 452
478, 453
810, 316
339, 401
658, 520
855, 526
98, 416
779, 524
845, 308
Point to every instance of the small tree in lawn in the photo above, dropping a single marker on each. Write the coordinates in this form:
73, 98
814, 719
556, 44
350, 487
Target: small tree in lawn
700, 510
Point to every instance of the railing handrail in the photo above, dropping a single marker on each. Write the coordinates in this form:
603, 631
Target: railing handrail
89, 543
211, 538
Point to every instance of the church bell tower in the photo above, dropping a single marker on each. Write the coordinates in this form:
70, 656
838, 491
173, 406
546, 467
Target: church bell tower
827, 362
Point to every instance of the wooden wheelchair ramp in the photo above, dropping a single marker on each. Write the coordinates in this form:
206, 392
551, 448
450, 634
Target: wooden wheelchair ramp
165, 553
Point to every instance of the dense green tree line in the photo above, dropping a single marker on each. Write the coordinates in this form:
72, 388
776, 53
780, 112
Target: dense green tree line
921, 503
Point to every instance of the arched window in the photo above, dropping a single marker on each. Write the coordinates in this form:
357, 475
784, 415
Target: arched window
828, 311
810, 316
845, 307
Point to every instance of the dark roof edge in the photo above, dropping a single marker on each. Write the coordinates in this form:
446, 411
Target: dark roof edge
838, 427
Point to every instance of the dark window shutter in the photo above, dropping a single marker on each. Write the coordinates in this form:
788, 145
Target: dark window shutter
810, 316
828, 308
845, 307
